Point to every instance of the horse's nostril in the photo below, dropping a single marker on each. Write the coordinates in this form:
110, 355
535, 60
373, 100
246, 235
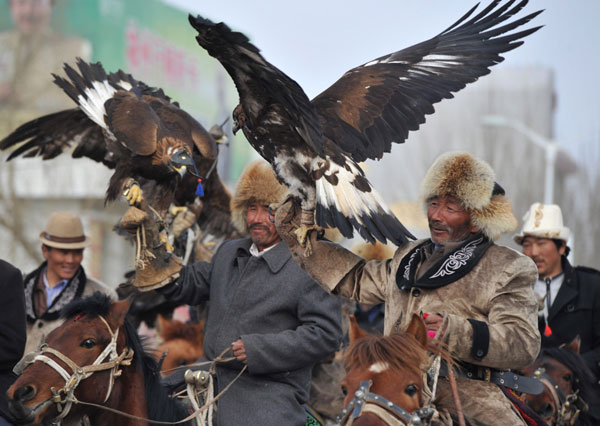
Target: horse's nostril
547, 410
24, 393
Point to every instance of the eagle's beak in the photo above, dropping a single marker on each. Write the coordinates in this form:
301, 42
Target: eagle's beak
182, 162
236, 127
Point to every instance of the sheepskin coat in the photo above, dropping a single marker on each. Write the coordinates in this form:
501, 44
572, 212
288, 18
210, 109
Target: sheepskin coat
285, 320
498, 291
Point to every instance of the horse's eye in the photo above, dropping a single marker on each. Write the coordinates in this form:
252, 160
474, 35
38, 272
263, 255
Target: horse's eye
182, 362
344, 390
567, 377
410, 390
88, 343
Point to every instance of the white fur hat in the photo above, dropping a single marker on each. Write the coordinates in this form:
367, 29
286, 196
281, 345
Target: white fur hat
472, 181
543, 221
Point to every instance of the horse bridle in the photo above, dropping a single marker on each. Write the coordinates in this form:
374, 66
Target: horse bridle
566, 410
369, 402
64, 398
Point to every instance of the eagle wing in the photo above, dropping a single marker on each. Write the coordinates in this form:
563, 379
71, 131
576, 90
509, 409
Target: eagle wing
378, 103
53, 134
268, 84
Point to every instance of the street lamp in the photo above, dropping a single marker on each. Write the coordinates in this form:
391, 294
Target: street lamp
556, 157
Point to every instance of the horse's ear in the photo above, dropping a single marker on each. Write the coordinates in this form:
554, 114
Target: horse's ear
575, 345
354, 331
417, 329
118, 311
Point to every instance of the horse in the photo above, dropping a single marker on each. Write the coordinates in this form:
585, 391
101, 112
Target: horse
90, 367
384, 377
182, 343
568, 386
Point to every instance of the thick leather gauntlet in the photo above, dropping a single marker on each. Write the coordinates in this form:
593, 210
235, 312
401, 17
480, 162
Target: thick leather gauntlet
155, 266
328, 263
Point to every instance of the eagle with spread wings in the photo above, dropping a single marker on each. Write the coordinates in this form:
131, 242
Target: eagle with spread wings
315, 146
139, 132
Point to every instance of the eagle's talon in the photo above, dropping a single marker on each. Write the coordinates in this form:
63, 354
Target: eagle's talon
303, 236
164, 239
133, 193
175, 210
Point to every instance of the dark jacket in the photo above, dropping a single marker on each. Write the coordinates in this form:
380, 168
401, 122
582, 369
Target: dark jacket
12, 328
285, 320
576, 311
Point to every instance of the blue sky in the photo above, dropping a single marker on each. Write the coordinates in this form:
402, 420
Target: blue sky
315, 42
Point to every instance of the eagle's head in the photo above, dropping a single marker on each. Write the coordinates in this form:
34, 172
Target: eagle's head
181, 161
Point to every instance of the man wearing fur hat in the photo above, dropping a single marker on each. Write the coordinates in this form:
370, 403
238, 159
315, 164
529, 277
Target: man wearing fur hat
569, 297
60, 279
277, 321
478, 296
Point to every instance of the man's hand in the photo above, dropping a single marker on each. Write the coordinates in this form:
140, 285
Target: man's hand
433, 322
239, 351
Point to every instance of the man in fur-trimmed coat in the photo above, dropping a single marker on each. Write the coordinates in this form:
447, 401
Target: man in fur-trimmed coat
477, 296
276, 319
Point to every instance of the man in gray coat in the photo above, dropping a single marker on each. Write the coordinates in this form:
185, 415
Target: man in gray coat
274, 317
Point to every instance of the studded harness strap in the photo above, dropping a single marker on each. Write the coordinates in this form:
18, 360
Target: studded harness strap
566, 410
365, 401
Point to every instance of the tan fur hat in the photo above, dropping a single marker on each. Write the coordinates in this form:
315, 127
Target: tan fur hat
256, 183
472, 181
64, 230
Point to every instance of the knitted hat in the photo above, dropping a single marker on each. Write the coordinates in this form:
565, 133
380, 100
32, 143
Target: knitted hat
256, 183
543, 221
472, 181
64, 230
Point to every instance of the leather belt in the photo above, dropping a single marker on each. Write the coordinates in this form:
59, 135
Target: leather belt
505, 378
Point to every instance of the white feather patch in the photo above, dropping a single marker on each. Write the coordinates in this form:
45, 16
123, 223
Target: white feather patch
92, 103
347, 198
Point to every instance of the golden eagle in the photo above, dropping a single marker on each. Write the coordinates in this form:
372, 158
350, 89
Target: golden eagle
136, 130
314, 146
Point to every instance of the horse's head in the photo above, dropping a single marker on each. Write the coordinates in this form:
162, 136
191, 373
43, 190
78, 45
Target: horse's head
182, 341
566, 380
61, 370
393, 365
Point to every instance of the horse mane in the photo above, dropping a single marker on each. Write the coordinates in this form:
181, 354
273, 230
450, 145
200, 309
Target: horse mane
583, 378
398, 350
161, 406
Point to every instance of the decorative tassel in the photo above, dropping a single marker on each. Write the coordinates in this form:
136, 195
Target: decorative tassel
200, 189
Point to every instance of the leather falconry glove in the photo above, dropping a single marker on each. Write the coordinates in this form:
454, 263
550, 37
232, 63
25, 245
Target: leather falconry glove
327, 263
155, 266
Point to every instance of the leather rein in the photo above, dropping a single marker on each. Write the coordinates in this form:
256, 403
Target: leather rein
365, 402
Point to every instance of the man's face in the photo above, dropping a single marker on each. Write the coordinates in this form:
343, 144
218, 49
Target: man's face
261, 226
448, 220
62, 263
545, 254
30, 16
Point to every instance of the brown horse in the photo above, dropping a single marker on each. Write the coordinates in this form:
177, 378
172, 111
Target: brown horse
181, 341
568, 387
94, 362
384, 379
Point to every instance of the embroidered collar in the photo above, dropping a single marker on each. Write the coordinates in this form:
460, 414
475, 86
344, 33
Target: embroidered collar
453, 266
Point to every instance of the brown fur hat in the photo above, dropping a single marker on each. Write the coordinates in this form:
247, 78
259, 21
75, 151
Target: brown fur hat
472, 181
256, 183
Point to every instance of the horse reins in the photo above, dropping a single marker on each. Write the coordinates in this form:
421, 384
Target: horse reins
64, 398
566, 410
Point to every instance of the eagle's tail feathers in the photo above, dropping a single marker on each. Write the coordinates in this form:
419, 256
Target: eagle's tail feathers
348, 206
